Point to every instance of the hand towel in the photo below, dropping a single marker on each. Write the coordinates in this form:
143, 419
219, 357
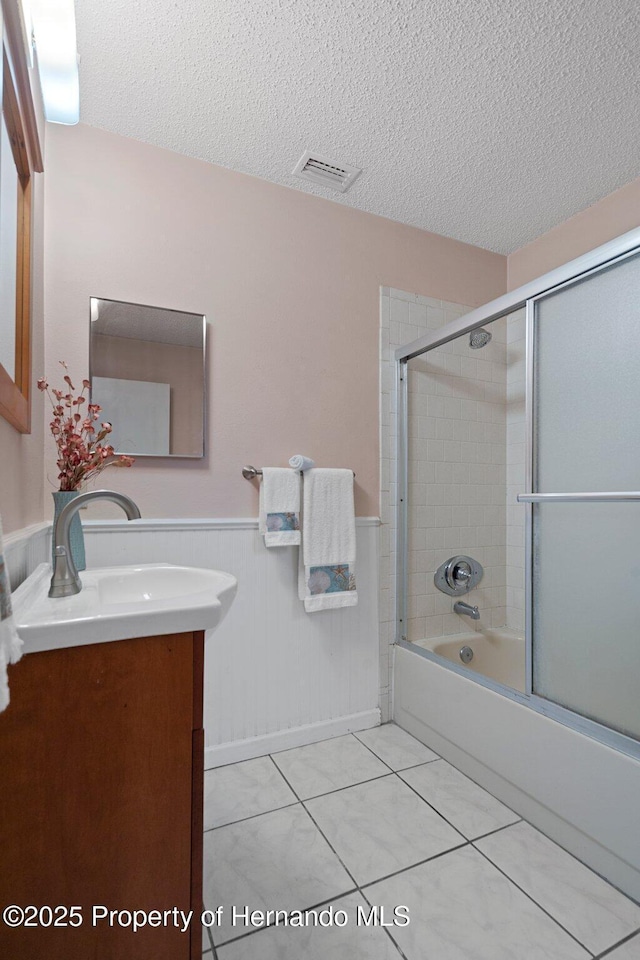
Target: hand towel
300, 462
326, 577
279, 518
10, 642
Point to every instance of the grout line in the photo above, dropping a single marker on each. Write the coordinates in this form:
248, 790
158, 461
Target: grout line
490, 833
253, 816
386, 930
270, 926
441, 815
411, 866
411, 766
294, 792
322, 834
349, 786
528, 895
620, 943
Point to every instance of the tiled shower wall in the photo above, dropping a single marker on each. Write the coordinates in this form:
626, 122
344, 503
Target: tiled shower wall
457, 481
466, 465
403, 317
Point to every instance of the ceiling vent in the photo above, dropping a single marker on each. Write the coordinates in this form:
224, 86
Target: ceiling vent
326, 173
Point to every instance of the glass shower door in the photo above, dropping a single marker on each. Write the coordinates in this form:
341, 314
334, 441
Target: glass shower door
584, 603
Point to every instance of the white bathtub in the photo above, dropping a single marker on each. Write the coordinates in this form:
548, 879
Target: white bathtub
578, 791
497, 654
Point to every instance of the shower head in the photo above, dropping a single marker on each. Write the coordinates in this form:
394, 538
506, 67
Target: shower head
479, 338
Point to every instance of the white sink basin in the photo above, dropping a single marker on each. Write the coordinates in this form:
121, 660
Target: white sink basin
117, 603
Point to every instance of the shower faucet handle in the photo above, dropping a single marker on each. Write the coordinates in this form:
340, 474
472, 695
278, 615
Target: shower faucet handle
458, 575
458, 572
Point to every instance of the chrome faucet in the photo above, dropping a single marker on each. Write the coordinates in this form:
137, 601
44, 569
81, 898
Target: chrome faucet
66, 580
466, 610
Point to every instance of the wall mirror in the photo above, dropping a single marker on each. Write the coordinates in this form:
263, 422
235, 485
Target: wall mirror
147, 373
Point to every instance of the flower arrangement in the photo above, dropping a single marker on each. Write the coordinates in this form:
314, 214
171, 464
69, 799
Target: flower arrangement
82, 453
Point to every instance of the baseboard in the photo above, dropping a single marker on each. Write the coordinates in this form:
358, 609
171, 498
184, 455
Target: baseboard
225, 753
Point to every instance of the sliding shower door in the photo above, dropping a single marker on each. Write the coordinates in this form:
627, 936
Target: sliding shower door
584, 413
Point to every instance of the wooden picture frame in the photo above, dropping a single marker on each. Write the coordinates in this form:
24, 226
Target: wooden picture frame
18, 111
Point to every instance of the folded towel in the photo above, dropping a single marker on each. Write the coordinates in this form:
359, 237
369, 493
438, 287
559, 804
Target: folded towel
326, 578
299, 462
10, 642
279, 518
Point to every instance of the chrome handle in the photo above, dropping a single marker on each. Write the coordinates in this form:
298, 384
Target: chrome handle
577, 497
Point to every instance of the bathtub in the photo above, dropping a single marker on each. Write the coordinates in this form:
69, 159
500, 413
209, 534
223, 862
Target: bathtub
580, 792
497, 654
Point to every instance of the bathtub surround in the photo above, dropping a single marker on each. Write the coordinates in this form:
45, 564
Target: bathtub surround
457, 470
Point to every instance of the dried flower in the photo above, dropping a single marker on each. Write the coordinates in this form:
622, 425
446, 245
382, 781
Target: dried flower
81, 453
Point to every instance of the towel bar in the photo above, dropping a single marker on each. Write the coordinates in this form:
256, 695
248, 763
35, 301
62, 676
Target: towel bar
250, 473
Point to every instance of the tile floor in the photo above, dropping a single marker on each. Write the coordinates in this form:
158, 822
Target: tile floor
376, 818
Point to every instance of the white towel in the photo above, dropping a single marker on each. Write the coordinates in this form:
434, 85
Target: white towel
10, 642
300, 462
279, 518
326, 577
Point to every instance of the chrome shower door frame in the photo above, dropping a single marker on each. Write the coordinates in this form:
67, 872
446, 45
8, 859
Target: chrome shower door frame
525, 296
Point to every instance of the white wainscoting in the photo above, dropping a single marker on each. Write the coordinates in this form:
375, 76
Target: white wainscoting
25, 549
275, 676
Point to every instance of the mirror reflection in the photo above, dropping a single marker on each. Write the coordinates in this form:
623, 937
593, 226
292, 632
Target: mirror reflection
147, 374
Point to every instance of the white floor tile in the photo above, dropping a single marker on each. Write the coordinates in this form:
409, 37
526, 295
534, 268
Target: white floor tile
328, 765
462, 908
351, 942
395, 747
243, 790
628, 951
590, 908
462, 802
379, 827
277, 861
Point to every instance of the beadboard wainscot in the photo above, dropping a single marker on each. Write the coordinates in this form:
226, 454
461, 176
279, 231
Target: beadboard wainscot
275, 676
24, 549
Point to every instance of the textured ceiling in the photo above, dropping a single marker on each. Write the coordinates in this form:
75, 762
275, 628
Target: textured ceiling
485, 120
138, 322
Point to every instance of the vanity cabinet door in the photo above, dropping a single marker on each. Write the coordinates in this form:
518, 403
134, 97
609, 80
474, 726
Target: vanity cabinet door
99, 800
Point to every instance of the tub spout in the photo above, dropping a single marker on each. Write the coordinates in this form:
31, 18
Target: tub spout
466, 610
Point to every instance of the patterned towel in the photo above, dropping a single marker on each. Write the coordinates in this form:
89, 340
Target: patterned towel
279, 511
326, 573
10, 642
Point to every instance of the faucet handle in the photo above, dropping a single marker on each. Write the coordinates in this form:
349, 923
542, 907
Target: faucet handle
63, 584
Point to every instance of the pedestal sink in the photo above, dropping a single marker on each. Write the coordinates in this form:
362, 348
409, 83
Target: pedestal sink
118, 603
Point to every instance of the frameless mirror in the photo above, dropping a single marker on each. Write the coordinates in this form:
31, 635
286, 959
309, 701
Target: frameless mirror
147, 373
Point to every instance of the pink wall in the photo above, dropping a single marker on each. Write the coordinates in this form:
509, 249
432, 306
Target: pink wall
602, 221
289, 284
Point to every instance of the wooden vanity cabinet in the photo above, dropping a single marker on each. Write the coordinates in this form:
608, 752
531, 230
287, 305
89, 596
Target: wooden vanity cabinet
101, 789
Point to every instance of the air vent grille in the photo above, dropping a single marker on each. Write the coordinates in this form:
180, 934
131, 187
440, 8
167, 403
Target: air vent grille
326, 173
